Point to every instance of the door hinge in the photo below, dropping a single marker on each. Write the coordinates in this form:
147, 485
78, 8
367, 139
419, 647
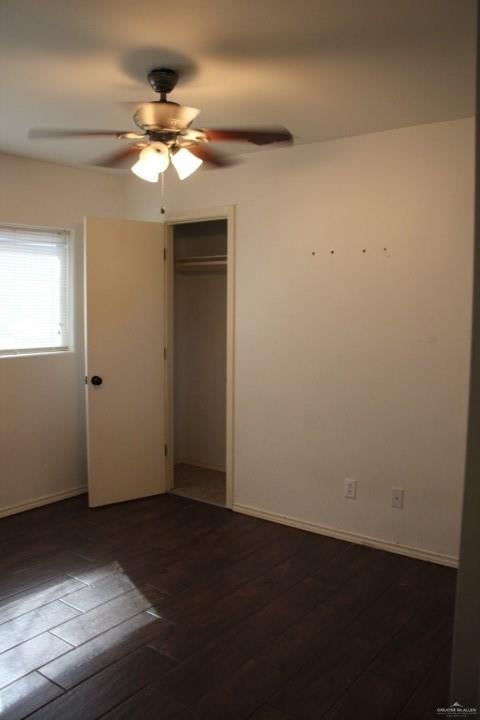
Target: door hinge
164, 253
164, 353
86, 380
166, 450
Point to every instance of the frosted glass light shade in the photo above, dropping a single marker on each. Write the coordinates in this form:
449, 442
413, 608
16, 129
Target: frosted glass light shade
153, 160
185, 163
144, 172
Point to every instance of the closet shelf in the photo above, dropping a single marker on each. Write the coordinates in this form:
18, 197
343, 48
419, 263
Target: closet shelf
201, 264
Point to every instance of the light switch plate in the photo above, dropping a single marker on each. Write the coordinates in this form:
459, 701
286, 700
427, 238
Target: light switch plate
350, 489
397, 498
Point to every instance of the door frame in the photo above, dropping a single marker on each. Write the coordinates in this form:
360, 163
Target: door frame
222, 213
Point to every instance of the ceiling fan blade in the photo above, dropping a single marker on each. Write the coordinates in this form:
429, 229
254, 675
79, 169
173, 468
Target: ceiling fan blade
53, 134
257, 136
118, 159
209, 156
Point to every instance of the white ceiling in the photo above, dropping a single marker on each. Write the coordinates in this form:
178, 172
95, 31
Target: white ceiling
323, 68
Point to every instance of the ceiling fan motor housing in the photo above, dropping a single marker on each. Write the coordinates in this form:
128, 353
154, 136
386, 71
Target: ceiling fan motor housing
164, 117
163, 80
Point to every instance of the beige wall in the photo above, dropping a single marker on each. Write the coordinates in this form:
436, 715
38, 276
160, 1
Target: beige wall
465, 678
350, 364
42, 429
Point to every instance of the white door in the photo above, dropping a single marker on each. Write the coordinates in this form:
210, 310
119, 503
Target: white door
125, 359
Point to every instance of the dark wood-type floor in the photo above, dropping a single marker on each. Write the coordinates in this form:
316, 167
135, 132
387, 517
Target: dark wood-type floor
169, 608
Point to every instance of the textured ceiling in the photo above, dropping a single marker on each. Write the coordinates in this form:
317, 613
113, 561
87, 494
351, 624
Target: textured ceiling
323, 68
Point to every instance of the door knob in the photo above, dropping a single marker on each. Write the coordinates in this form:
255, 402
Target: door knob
96, 380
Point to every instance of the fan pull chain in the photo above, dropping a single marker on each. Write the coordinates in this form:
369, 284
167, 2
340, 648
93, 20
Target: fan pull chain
162, 193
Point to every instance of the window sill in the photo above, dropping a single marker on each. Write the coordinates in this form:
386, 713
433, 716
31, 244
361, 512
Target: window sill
36, 353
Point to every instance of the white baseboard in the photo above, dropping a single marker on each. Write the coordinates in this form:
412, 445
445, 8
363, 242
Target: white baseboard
43, 500
204, 466
357, 538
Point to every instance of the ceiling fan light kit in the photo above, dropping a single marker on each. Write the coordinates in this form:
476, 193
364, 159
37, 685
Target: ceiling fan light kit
166, 135
153, 160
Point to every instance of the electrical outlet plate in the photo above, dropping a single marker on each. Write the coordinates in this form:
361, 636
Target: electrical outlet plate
397, 498
350, 489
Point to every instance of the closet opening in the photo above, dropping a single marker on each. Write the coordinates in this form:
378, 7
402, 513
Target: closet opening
197, 306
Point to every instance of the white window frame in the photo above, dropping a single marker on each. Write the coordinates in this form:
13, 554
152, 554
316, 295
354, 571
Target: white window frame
68, 334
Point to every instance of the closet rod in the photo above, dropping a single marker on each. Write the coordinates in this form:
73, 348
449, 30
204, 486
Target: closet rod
206, 262
202, 267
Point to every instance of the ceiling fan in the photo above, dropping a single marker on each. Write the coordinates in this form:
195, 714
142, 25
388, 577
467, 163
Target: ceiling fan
165, 134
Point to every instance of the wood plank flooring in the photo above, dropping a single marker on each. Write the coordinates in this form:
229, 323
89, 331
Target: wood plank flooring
170, 609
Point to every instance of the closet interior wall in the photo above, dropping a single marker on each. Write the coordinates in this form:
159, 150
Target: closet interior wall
200, 323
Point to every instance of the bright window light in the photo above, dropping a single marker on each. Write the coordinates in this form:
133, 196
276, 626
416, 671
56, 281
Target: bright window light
34, 290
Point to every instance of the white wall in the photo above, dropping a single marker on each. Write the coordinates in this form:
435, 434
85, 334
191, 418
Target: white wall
42, 435
352, 364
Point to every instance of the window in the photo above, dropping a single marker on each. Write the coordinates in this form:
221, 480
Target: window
34, 289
